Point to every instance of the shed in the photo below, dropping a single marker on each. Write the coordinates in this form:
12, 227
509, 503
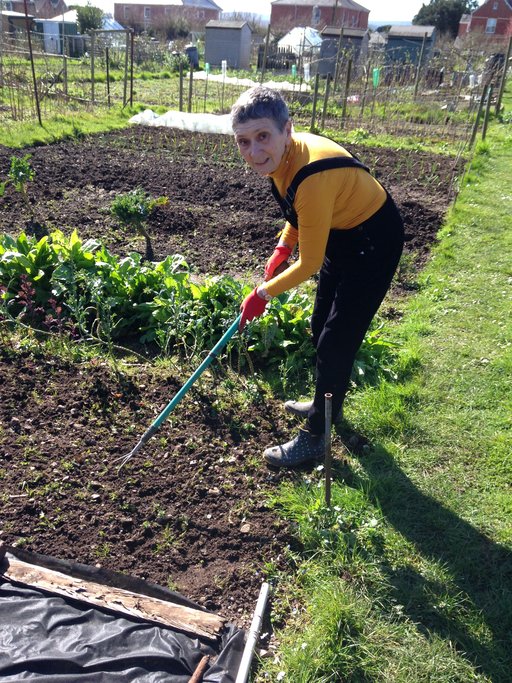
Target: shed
53, 30
354, 42
13, 22
405, 42
230, 41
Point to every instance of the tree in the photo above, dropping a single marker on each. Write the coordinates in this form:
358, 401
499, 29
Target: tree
445, 15
89, 18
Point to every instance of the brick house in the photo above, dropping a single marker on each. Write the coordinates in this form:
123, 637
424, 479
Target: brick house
286, 14
493, 18
43, 9
155, 14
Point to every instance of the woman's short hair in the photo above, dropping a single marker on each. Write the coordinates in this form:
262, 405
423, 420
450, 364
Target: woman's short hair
260, 102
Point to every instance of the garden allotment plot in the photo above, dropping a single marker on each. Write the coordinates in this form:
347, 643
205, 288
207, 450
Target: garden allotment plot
190, 512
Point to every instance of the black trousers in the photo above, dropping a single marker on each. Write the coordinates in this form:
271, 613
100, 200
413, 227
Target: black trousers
358, 267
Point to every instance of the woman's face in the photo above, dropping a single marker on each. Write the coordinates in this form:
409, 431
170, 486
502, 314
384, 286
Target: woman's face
262, 144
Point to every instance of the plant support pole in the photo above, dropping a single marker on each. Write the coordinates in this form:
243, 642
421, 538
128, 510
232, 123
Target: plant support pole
326, 100
487, 111
477, 118
315, 100
265, 53
503, 77
132, 47
328, 452
337, 68
125, 79
36, 95
190, 87
107, 67
345, 94
253, 635
180, 104
93, 40
418, 68
181, 393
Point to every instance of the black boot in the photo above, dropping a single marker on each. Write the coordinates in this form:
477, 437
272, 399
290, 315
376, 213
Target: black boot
306, 447
302, 408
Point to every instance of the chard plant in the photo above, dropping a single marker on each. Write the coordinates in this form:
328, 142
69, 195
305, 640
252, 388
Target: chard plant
132, 210
61, 284
20, 174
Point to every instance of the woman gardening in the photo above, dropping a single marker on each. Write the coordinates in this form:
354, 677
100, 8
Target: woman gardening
346, 226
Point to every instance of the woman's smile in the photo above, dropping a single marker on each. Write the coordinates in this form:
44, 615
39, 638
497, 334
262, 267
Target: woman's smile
262, 144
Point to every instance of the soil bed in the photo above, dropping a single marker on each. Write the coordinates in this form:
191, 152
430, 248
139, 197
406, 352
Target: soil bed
190, 512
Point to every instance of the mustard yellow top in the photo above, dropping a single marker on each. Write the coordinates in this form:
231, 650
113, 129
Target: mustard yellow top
339, 198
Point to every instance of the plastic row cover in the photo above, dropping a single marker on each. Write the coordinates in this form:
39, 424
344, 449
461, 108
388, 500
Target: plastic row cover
49, 639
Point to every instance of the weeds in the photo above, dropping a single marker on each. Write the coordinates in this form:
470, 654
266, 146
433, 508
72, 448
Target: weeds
133, 209
20, 174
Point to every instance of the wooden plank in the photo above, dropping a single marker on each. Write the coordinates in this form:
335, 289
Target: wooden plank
116, 599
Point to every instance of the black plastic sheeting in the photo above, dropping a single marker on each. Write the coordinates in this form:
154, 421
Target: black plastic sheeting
50, 639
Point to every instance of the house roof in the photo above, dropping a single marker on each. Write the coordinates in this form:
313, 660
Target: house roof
411, 31
110, 24
71, 17
15, 15
214, 23
346, 4
177, 3
348, 32
199, 4
507, 2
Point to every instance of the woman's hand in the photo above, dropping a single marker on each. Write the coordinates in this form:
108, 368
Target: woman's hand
277, 262
252, 307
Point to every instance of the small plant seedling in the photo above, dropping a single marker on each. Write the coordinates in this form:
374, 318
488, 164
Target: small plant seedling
132, 210
20, 174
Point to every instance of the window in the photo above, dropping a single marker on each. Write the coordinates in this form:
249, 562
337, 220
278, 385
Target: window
167, 10
491, 26
147, 12
127, 11
495, 5
315, 15
8, 6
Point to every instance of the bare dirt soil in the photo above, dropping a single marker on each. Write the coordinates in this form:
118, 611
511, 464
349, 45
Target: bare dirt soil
191, 510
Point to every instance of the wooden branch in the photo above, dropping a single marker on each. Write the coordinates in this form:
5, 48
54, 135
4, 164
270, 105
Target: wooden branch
116, 599
197, 676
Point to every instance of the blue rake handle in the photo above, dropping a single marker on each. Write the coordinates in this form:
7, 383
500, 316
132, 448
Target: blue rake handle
181, 393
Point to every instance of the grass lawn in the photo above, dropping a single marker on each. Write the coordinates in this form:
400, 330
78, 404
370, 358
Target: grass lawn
408, 577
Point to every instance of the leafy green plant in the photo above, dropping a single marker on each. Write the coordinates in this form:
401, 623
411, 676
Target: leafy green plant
132, 209
61, 284
19, 175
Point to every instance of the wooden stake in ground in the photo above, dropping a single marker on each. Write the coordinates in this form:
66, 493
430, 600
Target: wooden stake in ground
328, 452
